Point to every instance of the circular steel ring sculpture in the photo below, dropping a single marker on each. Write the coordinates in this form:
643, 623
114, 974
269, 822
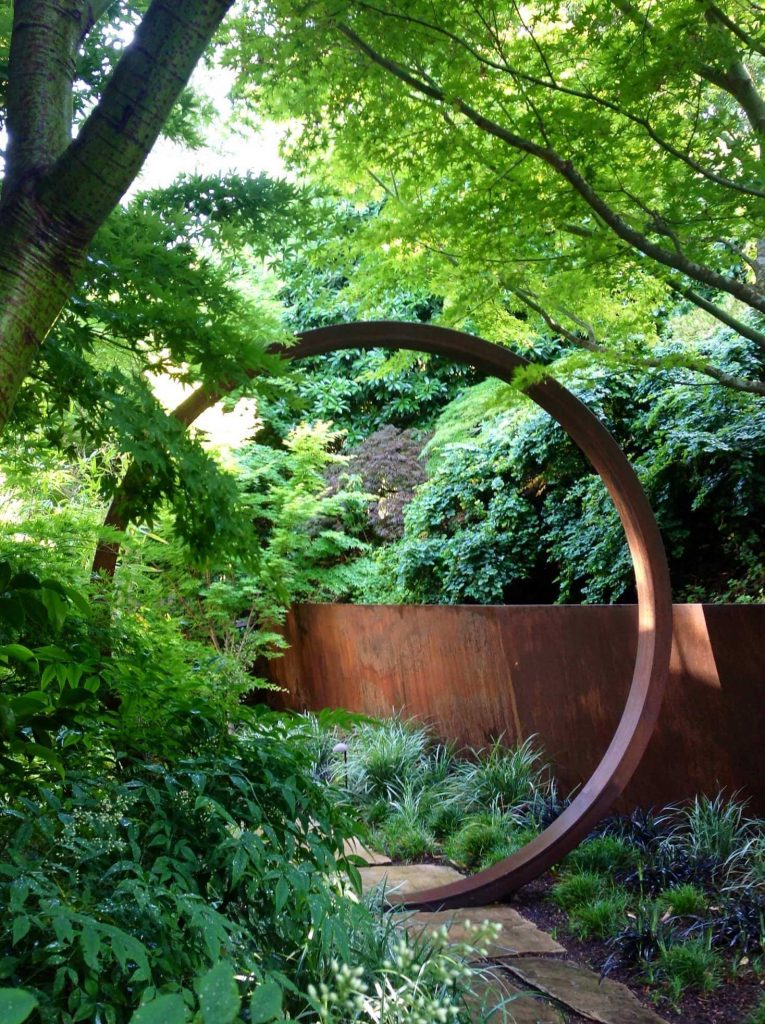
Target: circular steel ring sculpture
653, 591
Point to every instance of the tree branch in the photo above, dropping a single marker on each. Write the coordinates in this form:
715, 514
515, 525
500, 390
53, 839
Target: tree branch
532, 301
553, 85
729, 380
97, 168
39, 98
94, 11
122, 507
565, 168
738, 83
714, 14
745, 330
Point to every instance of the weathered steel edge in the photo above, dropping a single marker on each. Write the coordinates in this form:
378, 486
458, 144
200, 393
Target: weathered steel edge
653, 592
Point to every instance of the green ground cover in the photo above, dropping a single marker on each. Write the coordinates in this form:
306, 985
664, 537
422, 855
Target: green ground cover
676, 896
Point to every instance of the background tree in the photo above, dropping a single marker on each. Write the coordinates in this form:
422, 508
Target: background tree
174, 287
575, 168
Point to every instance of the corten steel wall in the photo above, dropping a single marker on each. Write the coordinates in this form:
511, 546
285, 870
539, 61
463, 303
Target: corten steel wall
560, 672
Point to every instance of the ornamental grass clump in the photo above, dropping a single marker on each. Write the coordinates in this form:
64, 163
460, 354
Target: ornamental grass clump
481, 836
713, 828
579, 889
685, 900
601, 918
404, 835
689, 965
757, 1013
508, 777
602, 854
384, 756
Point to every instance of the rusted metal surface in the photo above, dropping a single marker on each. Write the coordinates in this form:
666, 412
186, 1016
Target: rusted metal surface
559, 672
646, 689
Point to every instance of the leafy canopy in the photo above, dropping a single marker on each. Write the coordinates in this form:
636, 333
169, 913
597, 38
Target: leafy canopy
576, 167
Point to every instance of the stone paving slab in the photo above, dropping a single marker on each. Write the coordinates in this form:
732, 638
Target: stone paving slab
517, 936
582, 990
408, 878
354, 847
501, 1002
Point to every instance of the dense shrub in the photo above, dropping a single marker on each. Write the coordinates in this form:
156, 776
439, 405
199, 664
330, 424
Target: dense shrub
512, 513
168, 867
389, 466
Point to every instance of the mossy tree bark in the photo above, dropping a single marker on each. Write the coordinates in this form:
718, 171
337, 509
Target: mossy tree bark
57, 191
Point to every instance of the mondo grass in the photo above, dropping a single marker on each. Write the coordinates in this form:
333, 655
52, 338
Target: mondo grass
602, 918
579, 889
505, 777
690, 965
443, 818
684, 900
713, 828
404, 840
479, 837
676, 895
383, 757
404, 835
602, 855
757, 1014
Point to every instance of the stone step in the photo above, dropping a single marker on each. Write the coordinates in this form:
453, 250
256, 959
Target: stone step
496, 1000
598, 999
406, 878
517, 935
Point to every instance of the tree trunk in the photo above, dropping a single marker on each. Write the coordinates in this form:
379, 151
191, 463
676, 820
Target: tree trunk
38, 259
57, 194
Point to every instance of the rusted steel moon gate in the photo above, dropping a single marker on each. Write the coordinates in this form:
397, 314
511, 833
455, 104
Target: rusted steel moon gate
653, 592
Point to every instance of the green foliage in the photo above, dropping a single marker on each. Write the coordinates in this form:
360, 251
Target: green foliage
266, 1003
50, 693
168, 867
579, 889
404, 835
685, 900
362, 392
505, 777
757, 1015
219, 999
541, 170
690, 965
421, 980
16, 1005
602, 855
469, 411
171, 289
443, 818
291, 536
713, 827
404, 840
384, 756
166, 1009
479, 837
511, 512
601, 918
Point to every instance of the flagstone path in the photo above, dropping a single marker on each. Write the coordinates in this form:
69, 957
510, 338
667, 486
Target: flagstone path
524, 977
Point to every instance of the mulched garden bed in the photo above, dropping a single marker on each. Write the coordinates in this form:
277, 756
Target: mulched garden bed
728, 1004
